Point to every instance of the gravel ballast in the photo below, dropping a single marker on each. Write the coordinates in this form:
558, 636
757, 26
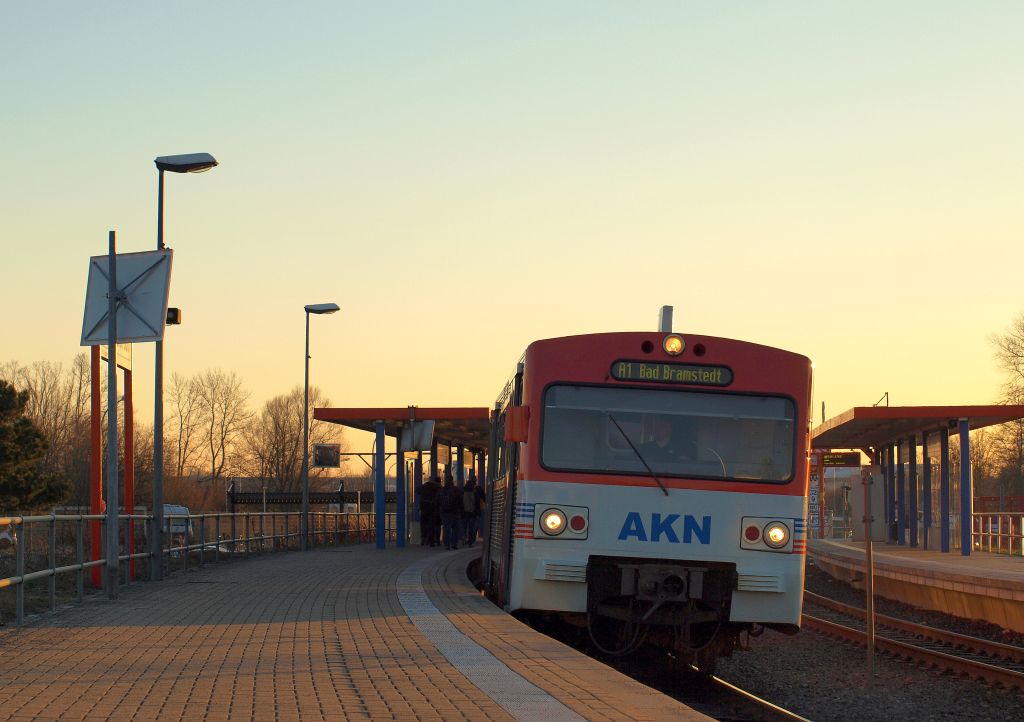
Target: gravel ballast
825, 680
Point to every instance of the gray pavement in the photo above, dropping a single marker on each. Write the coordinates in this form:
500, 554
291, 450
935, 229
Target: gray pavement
317, 635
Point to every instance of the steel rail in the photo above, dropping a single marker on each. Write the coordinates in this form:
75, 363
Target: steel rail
773, 711
977, 670
960, 641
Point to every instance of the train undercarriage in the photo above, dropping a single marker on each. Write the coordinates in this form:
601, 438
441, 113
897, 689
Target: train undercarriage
676, 607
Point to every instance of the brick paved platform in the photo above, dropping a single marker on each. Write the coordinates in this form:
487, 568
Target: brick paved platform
982, 586
347, 633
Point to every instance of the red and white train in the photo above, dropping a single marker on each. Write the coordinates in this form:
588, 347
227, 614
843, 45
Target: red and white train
652, 487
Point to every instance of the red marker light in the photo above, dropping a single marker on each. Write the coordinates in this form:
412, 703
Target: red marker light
752, 533
577, 523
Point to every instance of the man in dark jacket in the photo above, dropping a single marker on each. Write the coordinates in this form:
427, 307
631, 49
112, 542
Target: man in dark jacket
472, 508
430, 493
451, 512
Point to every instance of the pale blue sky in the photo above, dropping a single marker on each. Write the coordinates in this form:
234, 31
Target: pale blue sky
841, 180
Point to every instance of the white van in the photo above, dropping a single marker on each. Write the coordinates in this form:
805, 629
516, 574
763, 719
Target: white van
180, 529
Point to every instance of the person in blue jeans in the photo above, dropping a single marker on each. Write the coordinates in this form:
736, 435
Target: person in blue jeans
451, 513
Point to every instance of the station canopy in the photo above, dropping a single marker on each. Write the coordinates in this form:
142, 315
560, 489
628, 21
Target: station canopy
866, 427
468, 427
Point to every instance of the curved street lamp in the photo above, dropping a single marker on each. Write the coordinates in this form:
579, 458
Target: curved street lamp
319, 309
187, 163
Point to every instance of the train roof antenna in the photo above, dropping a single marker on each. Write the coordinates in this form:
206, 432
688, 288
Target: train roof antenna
665, 319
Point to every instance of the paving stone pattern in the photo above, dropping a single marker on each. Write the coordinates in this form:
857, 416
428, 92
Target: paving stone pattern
318, 635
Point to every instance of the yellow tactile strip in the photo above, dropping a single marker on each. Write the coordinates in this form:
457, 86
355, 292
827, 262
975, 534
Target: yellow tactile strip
588, 687
516, 695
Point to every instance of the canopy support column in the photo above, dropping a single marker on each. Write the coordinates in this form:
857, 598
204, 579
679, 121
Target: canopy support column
901, 497
966, 493
400, 499
912, 481
379, 510
926, 489
944, 489
890, 492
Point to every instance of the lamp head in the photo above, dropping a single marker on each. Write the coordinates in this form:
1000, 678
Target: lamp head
187, 163
322, 308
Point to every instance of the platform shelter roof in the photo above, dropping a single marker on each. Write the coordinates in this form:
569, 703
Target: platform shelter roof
458, 426
865, 427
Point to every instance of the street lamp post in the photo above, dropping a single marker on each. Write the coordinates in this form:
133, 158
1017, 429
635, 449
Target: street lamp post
317, 308
187, 163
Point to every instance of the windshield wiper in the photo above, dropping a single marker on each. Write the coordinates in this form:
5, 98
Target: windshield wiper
637, 452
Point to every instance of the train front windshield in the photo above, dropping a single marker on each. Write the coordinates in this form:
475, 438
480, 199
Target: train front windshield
695, 434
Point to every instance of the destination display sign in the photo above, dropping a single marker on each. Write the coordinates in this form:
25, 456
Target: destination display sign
666, 373
840, 458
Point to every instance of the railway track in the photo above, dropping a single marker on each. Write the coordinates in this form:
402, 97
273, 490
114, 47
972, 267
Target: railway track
759, 709
996, 663
712, 696
708, 695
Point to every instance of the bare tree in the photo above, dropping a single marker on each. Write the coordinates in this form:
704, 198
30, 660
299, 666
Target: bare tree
224, 414
1009, 355
58, 404
984, 461
143, 463
273, 438
187, 421
1009, 438
1009, 450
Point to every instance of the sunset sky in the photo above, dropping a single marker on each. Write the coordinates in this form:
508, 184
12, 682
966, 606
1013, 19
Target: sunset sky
840, 180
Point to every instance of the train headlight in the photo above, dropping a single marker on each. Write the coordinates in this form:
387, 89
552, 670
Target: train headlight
673, 344
776, 535
552, 522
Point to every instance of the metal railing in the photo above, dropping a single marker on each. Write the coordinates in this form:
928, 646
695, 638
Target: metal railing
1000, 533
62, 548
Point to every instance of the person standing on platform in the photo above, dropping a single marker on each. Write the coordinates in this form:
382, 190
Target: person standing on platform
451, 512
430, 493
472, 507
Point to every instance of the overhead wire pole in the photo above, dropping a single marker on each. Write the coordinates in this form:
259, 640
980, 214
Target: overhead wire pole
869, 573
112, 499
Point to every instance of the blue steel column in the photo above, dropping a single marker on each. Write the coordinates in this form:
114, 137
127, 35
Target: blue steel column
418, 481
433, 460
890, 495
901, 497
944, 488
379, 510
460, 469
400, 500
882, 461
966, 493
912, 480
926, 489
